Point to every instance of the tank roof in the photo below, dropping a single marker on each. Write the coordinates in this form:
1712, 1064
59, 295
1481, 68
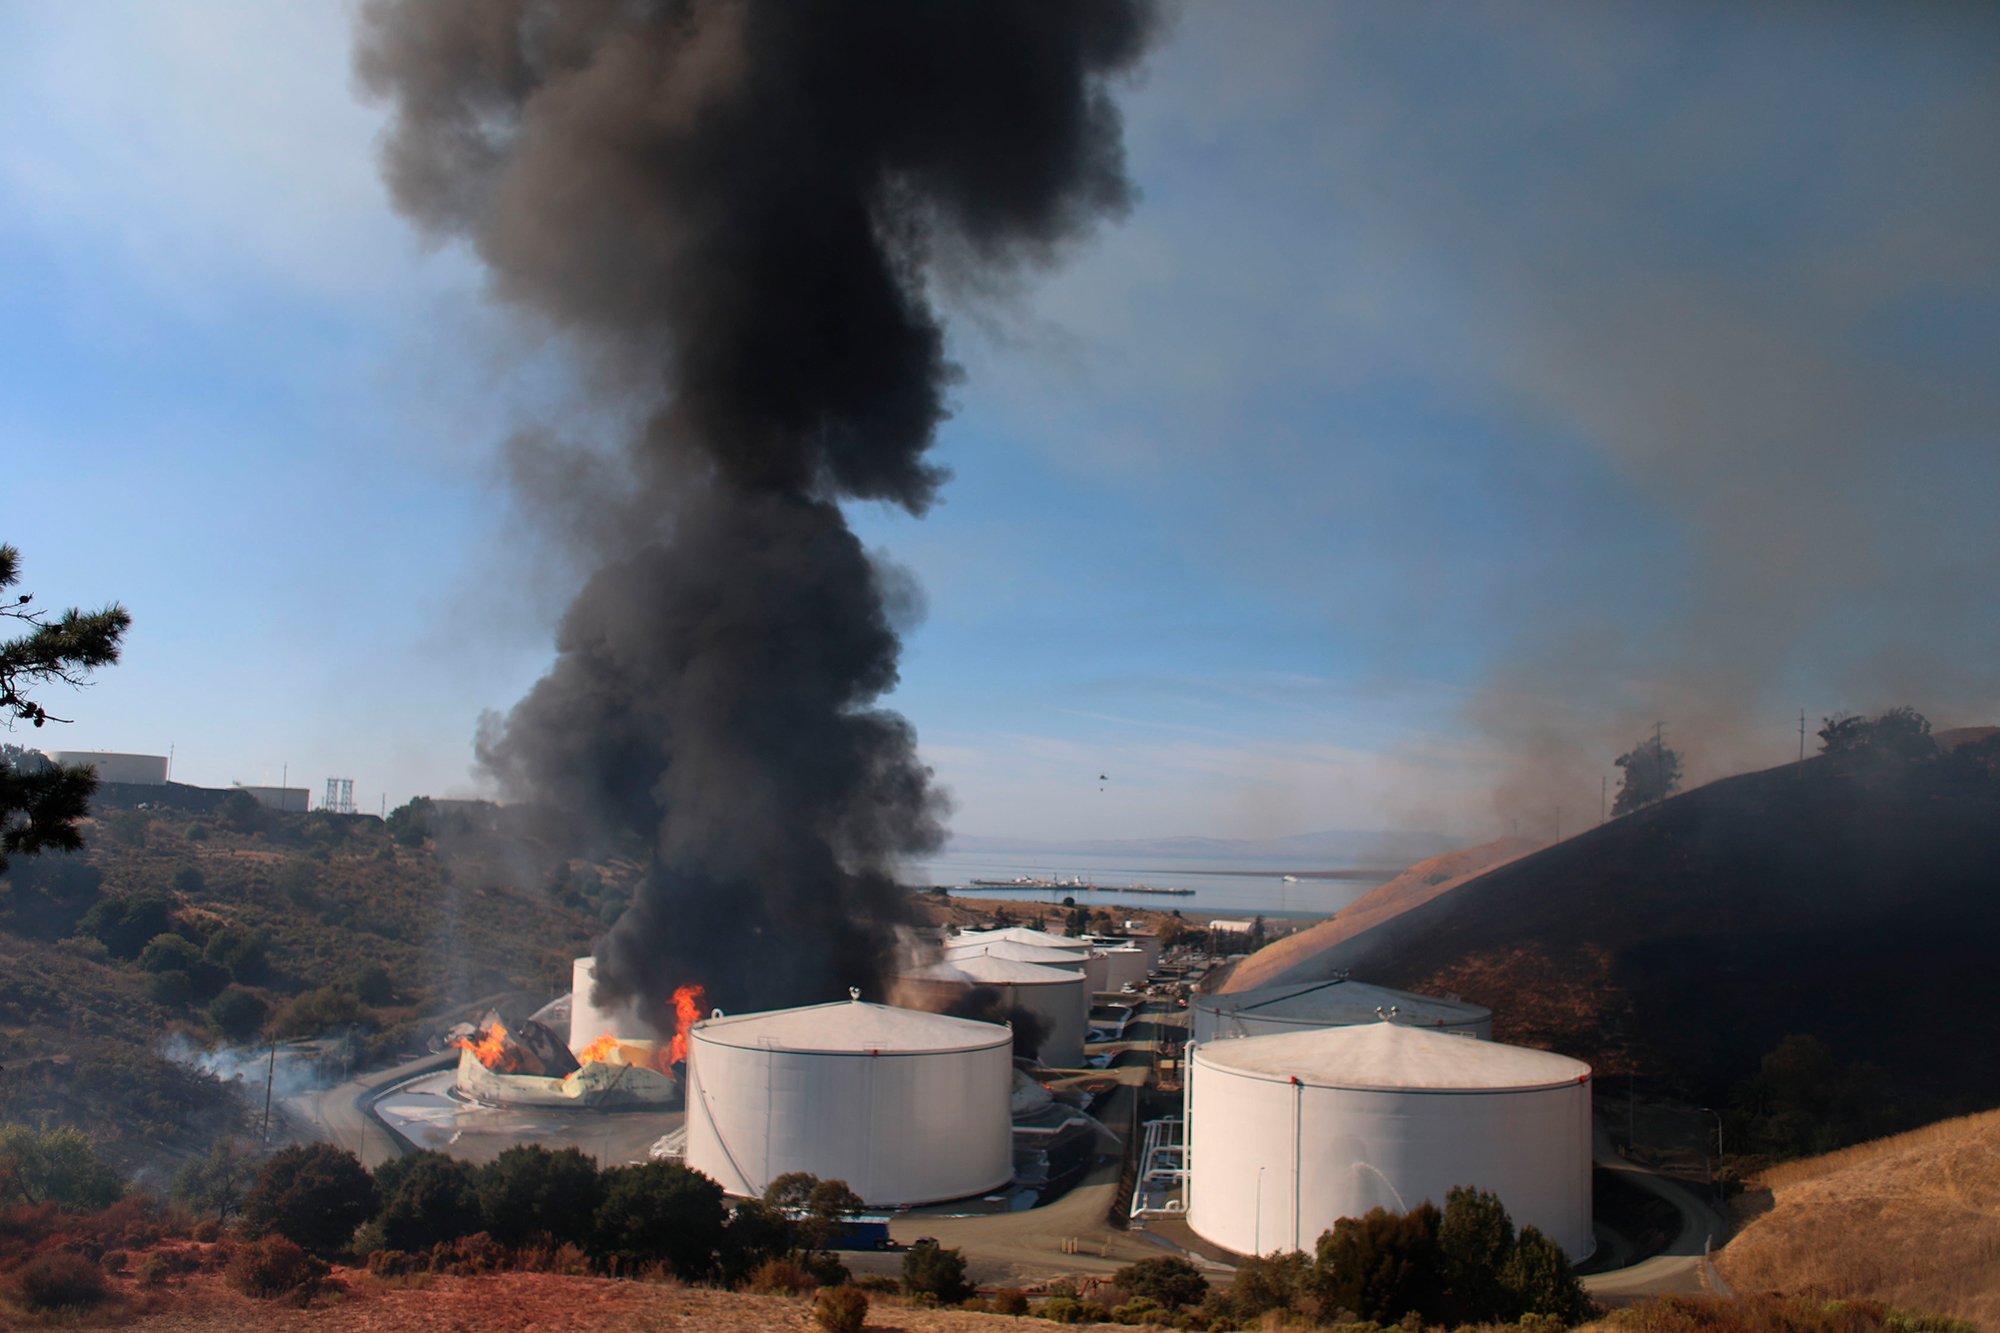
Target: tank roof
974, 968
1323, 1001
848, 1027
1388, 1057
1020, 953
1021, 935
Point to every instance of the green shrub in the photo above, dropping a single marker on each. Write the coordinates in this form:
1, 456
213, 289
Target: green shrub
841, 1310
238, 1014
661, 1212
880, 1283
58, 1166
59, 1281
427, 1199
931, 1269
529, 1191
188, 880
1138, 1310
313, 1194
1062, 1310
1169, 1281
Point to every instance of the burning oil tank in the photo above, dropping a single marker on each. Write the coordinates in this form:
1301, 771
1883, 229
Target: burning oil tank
1288, 1133
1335, 1003
907, 1107
1055, 995
522, 1063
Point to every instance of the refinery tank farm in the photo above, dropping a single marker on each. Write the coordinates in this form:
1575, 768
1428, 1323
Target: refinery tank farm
1018, 1091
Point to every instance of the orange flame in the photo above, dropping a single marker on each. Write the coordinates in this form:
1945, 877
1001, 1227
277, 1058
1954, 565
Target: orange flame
687, 1012
600, 1049
491, 1048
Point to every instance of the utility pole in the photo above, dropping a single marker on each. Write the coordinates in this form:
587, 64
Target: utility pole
1603, 791
1802, 735
270, 1076
1559, 823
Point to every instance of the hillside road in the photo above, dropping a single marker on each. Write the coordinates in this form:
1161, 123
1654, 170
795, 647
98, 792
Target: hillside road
1677, 1271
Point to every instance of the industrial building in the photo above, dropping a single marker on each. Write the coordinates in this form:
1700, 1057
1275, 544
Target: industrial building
907, 1107
1287, 1133
1335, 1003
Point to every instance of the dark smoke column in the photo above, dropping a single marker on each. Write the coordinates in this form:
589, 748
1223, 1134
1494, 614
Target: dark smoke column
735, 207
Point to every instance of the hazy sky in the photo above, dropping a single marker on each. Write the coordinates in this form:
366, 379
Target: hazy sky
1472, 387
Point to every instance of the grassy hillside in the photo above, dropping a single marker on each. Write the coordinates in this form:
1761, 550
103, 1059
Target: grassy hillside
1686, 941
1913, 1221
225, 925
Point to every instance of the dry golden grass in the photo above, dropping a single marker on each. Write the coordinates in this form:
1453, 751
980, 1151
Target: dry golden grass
1912, 1221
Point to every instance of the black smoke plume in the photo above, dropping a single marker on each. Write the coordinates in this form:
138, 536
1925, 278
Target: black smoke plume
732, 211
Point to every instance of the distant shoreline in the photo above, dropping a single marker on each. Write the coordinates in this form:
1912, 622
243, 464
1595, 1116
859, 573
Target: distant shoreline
1384, 875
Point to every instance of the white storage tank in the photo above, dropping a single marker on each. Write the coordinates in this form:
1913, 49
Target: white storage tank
1125, 966
1021, 935
1287, 1133
1091, 963
587, 1022
139, 770
1055, 994
1336, 1003
907, 1107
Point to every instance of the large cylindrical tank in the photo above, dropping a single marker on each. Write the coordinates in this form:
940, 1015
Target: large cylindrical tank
587, 1022
1092, 963
1325, 1004
1125, 966
140, 770
1021, 935
1288, 1133
1054, 994
907, 1107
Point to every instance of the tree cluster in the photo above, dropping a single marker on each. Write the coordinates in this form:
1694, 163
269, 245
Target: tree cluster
1652, 771
1464, 1264
41, 803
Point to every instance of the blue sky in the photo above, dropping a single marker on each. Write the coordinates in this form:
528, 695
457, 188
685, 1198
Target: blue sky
1470, 387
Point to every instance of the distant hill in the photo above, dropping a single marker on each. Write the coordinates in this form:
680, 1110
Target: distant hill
1685, 941
1912, 1221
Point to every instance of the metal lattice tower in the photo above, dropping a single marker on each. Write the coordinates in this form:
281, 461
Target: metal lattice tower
339, 796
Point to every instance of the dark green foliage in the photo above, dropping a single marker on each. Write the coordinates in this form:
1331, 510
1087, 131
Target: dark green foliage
217, 1183
59, 1281
427, 1198
45, 896
169, 953
240, 952
1383, 1265
841, 1310
529, 1191
1803, 1101
1476, 1240
756, 1234
371, 984
318, 1013
1652, 773
1271, 1282
411, 824
126, 924
188, 880
314, 1194
932, 1269
1169, 1281
41, 803
170, 990
661, 1212
58, 1166
1539, 1280
238, 1014
1887, 741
